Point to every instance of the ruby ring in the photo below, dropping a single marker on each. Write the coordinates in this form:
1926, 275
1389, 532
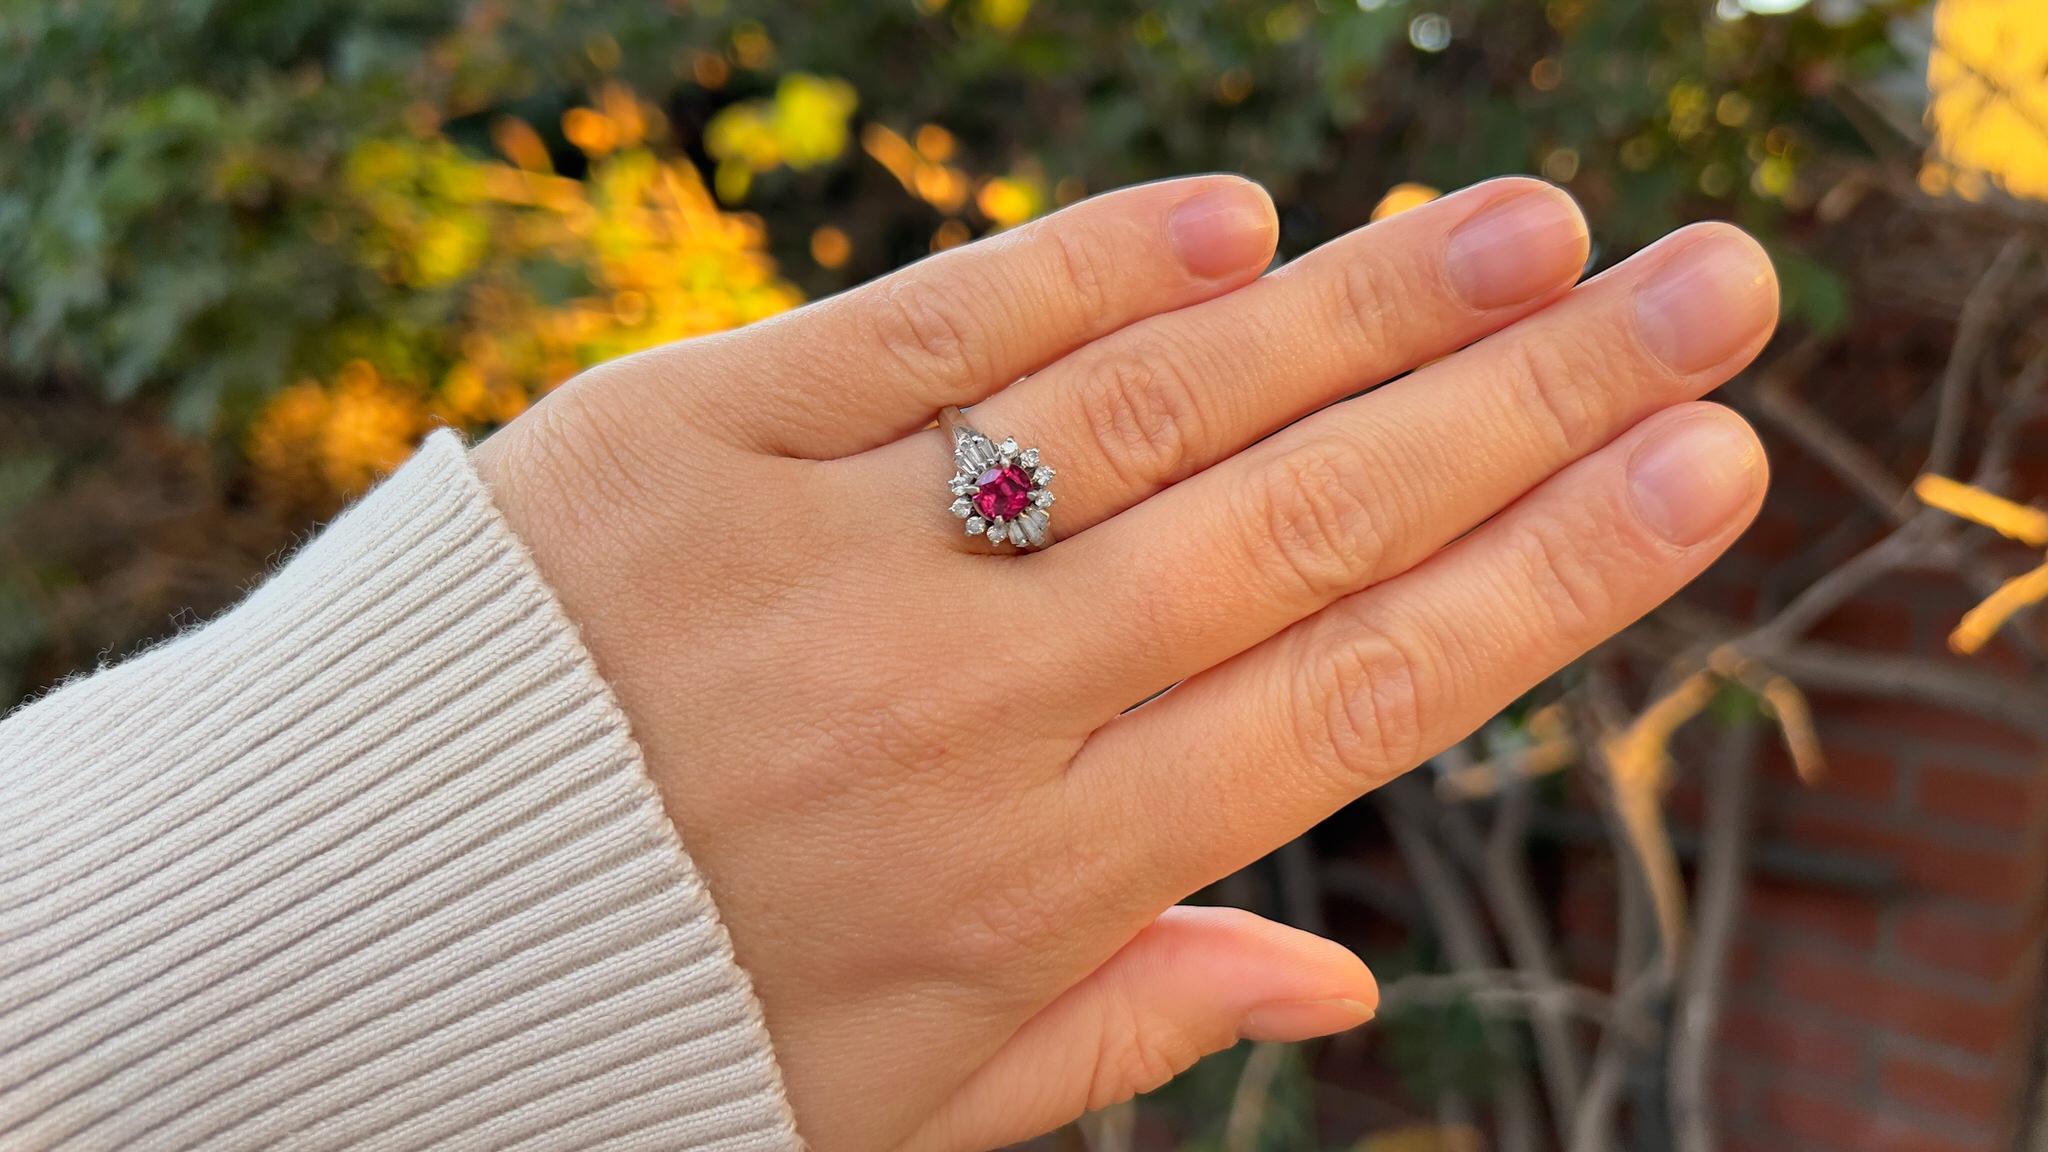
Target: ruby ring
999, 489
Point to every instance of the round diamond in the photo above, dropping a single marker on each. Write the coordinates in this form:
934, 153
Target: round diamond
1001, 493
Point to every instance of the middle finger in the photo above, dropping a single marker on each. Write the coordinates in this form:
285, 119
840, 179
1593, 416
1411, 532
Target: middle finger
1167, 397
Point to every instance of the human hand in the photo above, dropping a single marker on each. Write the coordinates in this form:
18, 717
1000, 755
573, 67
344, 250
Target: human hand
946, 852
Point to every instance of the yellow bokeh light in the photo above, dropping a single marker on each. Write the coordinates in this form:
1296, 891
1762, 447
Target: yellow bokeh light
950, 234
831, 247
1010, 200
1402, 197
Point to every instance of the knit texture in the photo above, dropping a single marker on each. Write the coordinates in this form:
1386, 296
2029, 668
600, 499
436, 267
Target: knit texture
370, 862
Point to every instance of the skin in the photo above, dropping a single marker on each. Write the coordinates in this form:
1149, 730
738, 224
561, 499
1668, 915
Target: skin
946, 846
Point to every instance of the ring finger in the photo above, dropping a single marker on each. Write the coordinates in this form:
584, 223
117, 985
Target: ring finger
1366, 489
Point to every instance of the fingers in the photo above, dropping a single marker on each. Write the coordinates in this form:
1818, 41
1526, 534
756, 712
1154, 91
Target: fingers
1364, 490
1166, 397
1193, 982
1241, 758
873, 364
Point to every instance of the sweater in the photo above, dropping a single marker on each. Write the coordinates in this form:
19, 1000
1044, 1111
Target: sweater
371, 861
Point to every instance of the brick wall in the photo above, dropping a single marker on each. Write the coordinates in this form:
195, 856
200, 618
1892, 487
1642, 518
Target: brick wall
1887, 998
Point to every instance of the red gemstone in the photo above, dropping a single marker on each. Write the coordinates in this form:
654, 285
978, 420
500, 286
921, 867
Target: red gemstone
1002, 492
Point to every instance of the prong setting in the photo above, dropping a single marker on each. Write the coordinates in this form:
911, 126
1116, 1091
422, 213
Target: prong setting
1000, 490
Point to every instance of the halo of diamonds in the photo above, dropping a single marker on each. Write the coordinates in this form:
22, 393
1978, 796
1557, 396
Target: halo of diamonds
1014, 508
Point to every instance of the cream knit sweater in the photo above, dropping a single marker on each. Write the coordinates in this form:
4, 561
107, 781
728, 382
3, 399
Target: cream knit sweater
372, 861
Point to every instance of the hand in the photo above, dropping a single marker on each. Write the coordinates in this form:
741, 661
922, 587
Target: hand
946, 852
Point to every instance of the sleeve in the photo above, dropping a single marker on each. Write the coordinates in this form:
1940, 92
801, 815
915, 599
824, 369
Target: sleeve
372, 861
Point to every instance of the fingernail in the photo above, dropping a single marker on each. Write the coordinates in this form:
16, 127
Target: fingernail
1302, 1019
1690, 478
1707, 302
1224, 230
1517, 248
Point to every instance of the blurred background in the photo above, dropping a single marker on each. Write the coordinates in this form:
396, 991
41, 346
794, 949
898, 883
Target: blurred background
1766, 872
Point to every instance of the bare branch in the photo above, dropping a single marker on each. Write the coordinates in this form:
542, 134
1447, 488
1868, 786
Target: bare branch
1830, 667
1848, 460
1505, 990
1722, 881
1247, 1117
1463, 933
1301, 892
1982, 310
1517, 911
2022, 406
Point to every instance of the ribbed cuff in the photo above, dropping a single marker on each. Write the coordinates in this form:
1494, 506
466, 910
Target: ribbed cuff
370, 862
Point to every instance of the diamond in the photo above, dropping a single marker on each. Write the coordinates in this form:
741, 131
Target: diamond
1017, 533
976, 525
1043, 476
996, 532
1043, 497
1028, 458
962, 508
973, 451
1008, 447
1001, 493
1033, 522
962, 485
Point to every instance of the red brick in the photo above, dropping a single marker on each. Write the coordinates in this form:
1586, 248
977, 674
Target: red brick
1985, 1099
1967, 944
1985, 1026
1981, 799
1776, 534
1852, 774
1825, 1122
1750, 1142
1733, 1088
1868, 624
1994, 877
1837, 711
1820, 1121
1587, 907
1785, 1040
1781, 910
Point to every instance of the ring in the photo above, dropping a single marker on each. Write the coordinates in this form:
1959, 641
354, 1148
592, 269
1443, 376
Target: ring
999, 489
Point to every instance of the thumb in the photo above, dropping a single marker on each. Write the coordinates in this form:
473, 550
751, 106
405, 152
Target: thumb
1194, 981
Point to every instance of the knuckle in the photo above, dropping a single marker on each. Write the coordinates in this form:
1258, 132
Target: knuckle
1314, 520
586, 450
1134, 1055
1366, 291
1006, 923
1554, 370
1143, 415
1553, 563
1022, 910
1082, 269
1360, 704
917, 323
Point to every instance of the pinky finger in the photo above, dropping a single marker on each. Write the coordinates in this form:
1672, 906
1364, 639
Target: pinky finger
1194, 981
1241, 758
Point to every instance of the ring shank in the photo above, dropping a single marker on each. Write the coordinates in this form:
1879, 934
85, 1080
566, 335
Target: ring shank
950, 422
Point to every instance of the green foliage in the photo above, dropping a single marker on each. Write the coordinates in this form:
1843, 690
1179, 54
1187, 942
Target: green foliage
176, 216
